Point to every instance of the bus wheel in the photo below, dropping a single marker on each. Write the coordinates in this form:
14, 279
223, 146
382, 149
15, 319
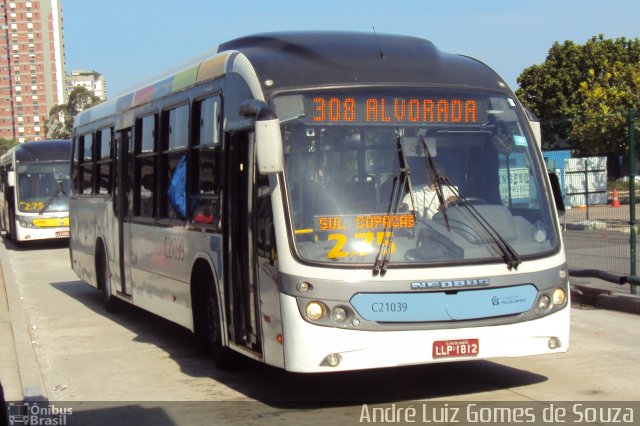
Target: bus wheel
110, 302
209, 330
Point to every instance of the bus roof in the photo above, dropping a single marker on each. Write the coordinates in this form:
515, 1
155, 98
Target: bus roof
45, 150
290, 60
352, 58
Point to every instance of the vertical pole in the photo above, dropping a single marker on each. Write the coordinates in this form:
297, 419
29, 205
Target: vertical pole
586, 187
632, 194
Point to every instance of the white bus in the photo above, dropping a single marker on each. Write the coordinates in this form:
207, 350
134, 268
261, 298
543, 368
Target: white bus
275, 197
34, 190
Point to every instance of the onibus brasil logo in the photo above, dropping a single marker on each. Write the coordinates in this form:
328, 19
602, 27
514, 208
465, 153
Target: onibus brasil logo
37, 413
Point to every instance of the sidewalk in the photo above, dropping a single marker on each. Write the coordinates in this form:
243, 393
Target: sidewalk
19, 370
605, 299
9, 376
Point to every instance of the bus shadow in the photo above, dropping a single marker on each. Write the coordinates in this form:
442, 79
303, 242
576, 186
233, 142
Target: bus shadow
35, 245
278, 388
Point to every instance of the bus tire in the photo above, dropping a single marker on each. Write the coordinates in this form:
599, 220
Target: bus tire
102, 274
208, 324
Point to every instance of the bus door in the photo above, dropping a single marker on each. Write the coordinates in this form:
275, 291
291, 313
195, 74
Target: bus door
241, 294
121, 204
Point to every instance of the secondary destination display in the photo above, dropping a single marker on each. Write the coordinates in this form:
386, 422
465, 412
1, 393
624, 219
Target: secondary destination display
393, 109
358, 235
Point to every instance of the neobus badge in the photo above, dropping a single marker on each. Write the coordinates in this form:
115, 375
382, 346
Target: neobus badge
423, 285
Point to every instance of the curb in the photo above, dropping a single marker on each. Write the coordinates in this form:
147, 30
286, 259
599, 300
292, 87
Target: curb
605, 299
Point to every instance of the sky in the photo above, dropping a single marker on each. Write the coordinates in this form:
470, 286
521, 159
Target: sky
130, 41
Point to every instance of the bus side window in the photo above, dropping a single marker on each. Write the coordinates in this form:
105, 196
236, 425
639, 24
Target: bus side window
85, 151
265, 243
103, 161
145, 158
174, 140
205, 174
75, 185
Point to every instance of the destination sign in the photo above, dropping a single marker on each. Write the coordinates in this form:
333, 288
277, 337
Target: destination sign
427, 110
364, 222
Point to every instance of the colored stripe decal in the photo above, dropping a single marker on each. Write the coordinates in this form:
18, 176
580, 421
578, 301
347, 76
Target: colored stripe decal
203, 70
143, 96
184, 78
212, 68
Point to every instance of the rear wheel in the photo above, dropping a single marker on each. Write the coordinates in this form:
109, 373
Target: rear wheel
104, 283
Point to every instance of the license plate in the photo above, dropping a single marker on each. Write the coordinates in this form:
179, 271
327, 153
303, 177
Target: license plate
455, 348
62, 234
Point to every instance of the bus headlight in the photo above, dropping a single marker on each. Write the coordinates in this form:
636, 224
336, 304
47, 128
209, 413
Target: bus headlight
315, 310
558, 297
24, 222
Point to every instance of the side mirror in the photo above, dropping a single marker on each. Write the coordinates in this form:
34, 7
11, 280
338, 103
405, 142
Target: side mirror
557, 193
11, 178
269, 151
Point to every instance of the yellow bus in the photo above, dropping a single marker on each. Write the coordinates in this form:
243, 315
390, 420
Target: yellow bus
34, 190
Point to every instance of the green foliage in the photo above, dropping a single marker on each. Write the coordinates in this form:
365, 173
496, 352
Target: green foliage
60, 123
606, 99
581, 93
6, 144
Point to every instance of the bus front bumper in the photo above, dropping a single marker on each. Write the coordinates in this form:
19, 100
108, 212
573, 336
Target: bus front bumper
31, 234
311, 348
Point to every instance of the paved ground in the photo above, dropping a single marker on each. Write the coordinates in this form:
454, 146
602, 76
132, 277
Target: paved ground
599, 238
70, 350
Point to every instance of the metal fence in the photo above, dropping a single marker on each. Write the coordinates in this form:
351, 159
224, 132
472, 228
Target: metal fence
601, 236
598, 237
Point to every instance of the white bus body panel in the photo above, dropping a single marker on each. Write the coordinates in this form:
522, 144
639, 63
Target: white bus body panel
270, 315
88, 219
376, 349
161, 260
158, 260
31, 234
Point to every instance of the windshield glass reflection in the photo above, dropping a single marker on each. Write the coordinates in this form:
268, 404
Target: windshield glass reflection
341, 177
43, 187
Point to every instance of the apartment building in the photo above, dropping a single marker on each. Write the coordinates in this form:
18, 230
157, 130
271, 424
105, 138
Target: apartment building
90, 80
32, 72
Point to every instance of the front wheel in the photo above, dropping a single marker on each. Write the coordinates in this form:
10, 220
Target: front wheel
209, 330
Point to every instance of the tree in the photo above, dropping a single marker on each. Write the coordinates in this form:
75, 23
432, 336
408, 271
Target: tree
603, 114
57, 126
6, 144
565, 92
60, 123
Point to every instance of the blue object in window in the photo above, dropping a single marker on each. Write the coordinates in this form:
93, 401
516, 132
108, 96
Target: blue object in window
177, 188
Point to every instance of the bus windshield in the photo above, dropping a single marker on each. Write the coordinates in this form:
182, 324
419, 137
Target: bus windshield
43, 187
412, 176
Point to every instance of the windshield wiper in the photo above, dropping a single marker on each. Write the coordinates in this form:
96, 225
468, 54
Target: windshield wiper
59, 190
400, 181
437, 180
509, 255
